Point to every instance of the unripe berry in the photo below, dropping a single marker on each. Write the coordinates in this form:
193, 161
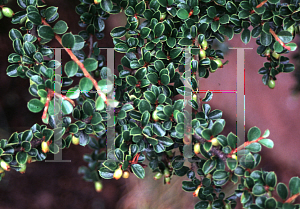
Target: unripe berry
118, 174
271, 84
167, 172
291, 29
126, 175
163, 16
227, 206
45, 147
208, 176
196, 192
43, 100
275, 55
98, 186
154, 116
219, 62
202, 54
1, 170
23, 168
209, 206
7, 12
31, 82
167, 179
234, 156
197, 148
75, 140
215, 142
97, 1
5, 165
157, 176
195, 97
204, 44
267, 52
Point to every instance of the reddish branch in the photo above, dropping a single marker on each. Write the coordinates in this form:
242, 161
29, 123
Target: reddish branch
261, 3
243, 146
80, 64
50, 96
279, 40
292, 198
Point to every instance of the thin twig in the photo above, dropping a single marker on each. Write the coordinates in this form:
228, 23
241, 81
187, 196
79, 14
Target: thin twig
292, 198
279, 40
261, 3
85, 72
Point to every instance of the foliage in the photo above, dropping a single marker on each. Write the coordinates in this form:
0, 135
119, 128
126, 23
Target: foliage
149, 123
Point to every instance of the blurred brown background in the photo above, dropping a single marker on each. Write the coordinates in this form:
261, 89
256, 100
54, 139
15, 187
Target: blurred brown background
57, 185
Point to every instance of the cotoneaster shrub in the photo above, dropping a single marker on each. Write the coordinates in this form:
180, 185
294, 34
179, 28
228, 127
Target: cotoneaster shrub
150, 128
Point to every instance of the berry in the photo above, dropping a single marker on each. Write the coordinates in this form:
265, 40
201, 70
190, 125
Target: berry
234, 156
271, 84
202, 54
215, 142
97, 1
7, 12
209, 206
267, 52
291, 29
45, 147
227, 206
43, 100
157, 176
167, 179
195, 97
204, 44
5, 165
275, 55
98, 186
126, 175
154, 116
1, 15
167, 172
197, 148
75, 140
97, 74
163, 16
23, 169
219, 63
118, 174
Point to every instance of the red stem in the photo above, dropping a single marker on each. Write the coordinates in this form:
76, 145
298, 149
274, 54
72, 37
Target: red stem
279, 40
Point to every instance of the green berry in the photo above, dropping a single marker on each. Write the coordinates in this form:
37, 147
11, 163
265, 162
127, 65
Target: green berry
167, 172
291, 29
23, 168
97, 74
219, 63
204, 44
167, 179
118, 174
163, 16
75, 140
209, 206
267, 52
157, 176
98, 186
234, 156
7, 12
195, 97
215, 142
5, 165
271, 84
126, 175
154, 116
275, 55
1, 15
227, 206
197, 148
97, 1
202, 54
43, 100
